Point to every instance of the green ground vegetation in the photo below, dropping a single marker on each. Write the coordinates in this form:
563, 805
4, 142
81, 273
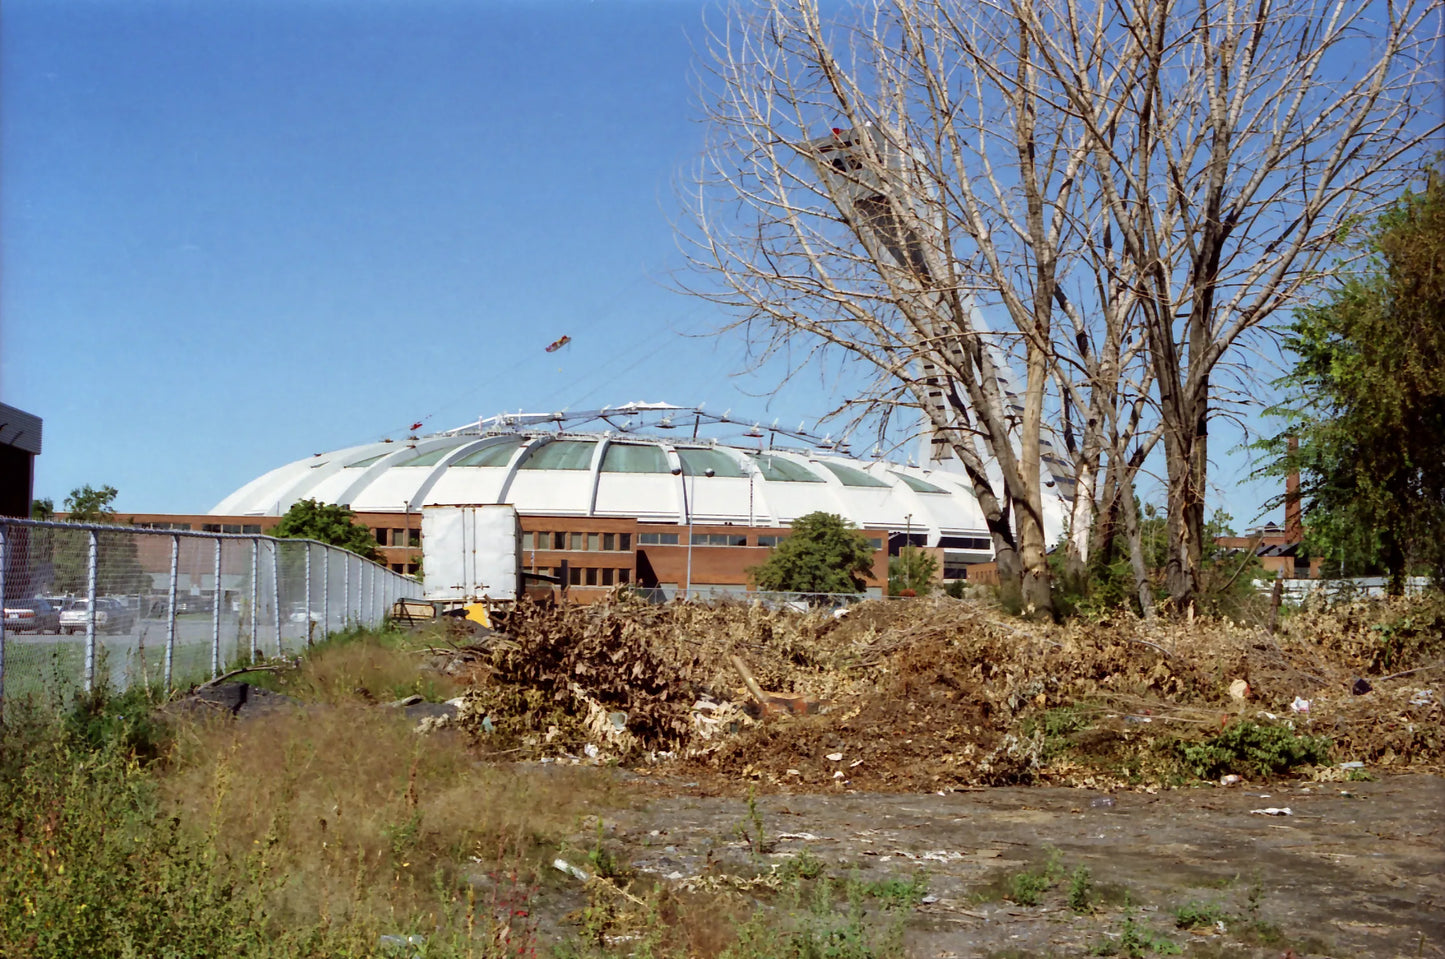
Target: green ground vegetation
134, 826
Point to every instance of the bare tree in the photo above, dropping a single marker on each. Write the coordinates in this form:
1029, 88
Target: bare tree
947, 180
1251, 135
1128, 186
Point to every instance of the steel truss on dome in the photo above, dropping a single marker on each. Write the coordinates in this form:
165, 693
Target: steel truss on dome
650, 419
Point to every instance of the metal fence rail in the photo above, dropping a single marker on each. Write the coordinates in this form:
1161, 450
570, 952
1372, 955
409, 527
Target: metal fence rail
87, 604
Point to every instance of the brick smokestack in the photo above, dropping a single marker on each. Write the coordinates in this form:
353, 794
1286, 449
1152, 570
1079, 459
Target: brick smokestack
1294, 527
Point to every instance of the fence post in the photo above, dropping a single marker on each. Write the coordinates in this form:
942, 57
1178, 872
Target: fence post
91, 565
345, 589
4, 543
216, 614
171, 608
308, 592
375, 619
255, 592
325, 591
276, 589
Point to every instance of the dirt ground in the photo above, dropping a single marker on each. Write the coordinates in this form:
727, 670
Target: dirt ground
948, 741
1356, 869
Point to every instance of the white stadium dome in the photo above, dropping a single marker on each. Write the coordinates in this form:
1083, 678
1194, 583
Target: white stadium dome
647, 462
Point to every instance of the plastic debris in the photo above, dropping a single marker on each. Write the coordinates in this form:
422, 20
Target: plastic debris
1300, 705
1424, 697
1352, 765
1273, 811
1101, 802
1231, 780
409, 946
562, 865
1239, 689
1360, 686
834, 757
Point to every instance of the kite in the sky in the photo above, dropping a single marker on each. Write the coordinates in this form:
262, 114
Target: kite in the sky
558, 344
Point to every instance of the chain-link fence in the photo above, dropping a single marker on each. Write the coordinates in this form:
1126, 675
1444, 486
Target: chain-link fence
87, 604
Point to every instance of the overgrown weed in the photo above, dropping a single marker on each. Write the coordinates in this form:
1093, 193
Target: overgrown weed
361, 810
1254, 749
362, 665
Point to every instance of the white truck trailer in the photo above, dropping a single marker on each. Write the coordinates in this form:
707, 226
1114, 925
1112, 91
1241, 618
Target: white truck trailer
471, 554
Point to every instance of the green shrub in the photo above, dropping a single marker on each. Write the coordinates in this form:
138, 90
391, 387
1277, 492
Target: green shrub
1252, 749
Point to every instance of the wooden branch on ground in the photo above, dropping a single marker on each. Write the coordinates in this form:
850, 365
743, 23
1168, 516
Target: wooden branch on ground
748, 680
271, 668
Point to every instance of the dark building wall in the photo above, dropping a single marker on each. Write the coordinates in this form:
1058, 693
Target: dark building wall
17, 481
20, 439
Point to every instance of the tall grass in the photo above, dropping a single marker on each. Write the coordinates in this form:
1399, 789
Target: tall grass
361, 665
308, 832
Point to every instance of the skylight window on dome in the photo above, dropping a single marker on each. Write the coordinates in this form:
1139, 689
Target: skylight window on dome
630, 458
562, 455
698, 462
849, 476
368, 461
776, 469
918, 485
430, 457
498, 454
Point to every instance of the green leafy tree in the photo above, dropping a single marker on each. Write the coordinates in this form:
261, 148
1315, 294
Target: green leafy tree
1368, 401
824, 554
118, 569
327, 523
912, 569
88, 505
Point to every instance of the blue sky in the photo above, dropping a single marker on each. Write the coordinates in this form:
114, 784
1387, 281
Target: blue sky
235, 234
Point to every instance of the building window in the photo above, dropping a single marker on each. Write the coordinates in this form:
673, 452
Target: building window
577, 541
559, 540
656, 539
593, 542
624, 576
398, 567
609, 542
411, 569
624, 542
381, 537
718, 539
413, 537
591, 576
770, 540
609, 576
965, 542
574, 576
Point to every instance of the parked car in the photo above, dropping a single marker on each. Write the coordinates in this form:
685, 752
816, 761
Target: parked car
32, 615
111, 616
297, 613
193, 603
